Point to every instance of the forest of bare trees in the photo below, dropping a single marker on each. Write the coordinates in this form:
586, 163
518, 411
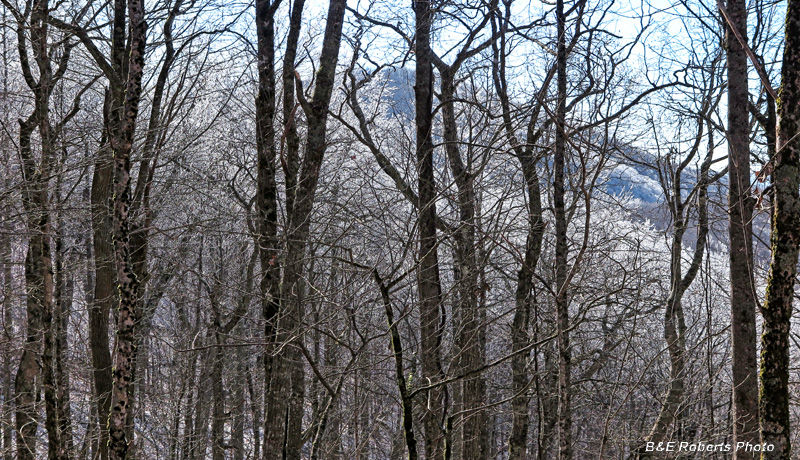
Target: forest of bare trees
382, 230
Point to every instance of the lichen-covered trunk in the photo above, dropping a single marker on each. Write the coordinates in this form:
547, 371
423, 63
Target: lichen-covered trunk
127, 282
743, 297
785, 238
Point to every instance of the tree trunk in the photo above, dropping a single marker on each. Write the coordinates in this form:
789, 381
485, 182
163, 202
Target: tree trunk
238, 409
103, 293
128, 284
777, 310
292, 288
25, 387
561, 288
428, 282
396, 345
39, 286
7, 410
472, 437
523, 301
256, 413
523, 296
63, 311
743, 296
267, 212
8, 407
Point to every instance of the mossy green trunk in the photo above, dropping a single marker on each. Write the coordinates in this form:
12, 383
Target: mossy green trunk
777, 310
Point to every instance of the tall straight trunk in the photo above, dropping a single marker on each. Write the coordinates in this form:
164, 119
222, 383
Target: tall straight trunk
128, 284
471, 441
428, 281
25, 386
523, 302
785, 239
202, 407
7, 415
56, 389
103, 292
118, 107
283, 365
174, 433
7, 411
218, 400
546, 388
267, 212
743, 296
64, 292
189, 422
561, 288
255, 410
238, 409
141, 218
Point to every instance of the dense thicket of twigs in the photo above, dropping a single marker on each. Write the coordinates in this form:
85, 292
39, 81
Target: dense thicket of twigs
380, 230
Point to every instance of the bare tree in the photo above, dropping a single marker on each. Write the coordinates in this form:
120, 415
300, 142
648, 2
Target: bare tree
43, 310
743, 296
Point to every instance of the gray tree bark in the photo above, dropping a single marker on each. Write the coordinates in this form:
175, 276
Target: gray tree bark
428, 280
740, 203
